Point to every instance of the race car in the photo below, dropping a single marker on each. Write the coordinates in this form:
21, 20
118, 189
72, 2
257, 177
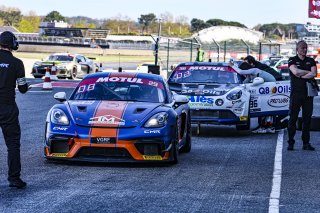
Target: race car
119, 117
218, 96
68, 66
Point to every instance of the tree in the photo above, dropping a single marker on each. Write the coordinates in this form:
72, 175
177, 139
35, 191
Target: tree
11, 16
25, 26
34, 20
54, 16
219, 22
146, 20
198, 24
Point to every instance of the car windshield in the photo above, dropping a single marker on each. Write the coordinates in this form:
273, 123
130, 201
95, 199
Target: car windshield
204, 74
60, 58
120, 89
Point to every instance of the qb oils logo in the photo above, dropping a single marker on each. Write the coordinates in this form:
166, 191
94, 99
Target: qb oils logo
275, 89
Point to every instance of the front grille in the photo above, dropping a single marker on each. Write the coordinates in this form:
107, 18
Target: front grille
150, 148
43, 68
59, 146
103, 152
217, 114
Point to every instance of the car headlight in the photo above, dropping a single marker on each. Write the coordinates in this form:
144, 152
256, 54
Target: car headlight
234, 95
157, 120
59, 117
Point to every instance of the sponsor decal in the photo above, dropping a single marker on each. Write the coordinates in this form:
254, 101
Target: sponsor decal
206, 91
237, 101
201, 99
279, 100
152, 157
60, 155
152, 131
60, 128
102, 140
276, 89
107, 119
238, 110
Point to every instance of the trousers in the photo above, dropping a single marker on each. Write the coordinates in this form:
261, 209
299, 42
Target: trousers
9, 123
306, 104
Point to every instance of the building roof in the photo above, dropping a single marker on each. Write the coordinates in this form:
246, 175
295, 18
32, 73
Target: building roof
8, 28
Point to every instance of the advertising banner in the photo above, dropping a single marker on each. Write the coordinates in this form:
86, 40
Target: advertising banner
314, 9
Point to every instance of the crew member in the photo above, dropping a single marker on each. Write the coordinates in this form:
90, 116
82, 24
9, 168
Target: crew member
11, 73
200, 55
301, 69
252, 61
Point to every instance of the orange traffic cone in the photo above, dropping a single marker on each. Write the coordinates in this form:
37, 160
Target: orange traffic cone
53, 76
47, 82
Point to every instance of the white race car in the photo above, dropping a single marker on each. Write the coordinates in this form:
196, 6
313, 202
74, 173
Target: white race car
218, 96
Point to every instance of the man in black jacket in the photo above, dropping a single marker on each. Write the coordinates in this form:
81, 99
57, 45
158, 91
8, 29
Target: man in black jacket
302, 69
252, 61
11, 73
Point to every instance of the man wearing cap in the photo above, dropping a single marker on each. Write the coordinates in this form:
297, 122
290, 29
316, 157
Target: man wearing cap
11, 73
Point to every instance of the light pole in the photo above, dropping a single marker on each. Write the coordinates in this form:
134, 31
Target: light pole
157, 44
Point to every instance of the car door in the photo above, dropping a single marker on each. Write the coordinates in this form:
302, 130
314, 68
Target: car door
269, 98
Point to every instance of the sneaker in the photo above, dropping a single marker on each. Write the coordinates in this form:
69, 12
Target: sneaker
260, 130
20, 184
271, 130
290, 147
308, 147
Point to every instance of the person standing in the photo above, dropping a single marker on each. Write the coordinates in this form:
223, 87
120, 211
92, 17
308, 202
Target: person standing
302, 68
11, 73
200, 55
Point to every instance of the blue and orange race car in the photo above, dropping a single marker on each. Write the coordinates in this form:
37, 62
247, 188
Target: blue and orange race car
119, 117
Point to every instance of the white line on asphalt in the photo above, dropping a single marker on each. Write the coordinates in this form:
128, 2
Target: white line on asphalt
277, 171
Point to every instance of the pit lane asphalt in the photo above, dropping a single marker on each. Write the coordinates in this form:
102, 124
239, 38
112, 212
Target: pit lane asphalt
225, 171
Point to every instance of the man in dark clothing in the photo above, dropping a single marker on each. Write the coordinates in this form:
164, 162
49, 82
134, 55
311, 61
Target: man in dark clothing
302, 68
250, 59
11, 73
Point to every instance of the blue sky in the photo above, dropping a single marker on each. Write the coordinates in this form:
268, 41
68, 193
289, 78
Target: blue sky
248, 12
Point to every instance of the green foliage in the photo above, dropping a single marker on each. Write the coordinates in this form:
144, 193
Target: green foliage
11, 17
146, 20
198, 24
54, 16
269, 29
219, 22
25, 26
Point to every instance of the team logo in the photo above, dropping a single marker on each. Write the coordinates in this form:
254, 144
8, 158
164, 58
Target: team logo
107, 119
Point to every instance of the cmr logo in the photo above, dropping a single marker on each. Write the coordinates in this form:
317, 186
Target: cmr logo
200, 99
3, 65
152, 131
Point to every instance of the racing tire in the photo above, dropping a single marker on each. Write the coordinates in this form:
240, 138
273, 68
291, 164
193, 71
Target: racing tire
73, 73
175, 148
188, 144
244, 127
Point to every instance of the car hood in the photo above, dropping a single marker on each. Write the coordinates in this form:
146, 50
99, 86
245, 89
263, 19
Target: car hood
110, 113
206, 89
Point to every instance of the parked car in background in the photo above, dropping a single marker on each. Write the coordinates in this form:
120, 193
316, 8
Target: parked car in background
68, 66
218, 96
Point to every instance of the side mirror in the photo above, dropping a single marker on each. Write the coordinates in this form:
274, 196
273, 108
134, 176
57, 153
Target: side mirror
180, 99
257, 81
60, 96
